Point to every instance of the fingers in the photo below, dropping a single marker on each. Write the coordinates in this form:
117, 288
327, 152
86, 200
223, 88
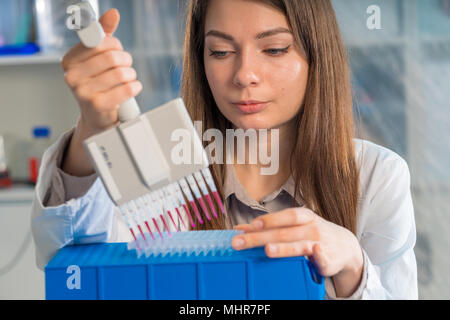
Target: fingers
289, 234
80, 53
116, 95
101, 78
243, 227
110, 21
80, 73
285, 218
105, 81
290, 249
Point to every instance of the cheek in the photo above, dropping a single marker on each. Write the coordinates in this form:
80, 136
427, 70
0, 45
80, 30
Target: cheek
216, 77
289, 85
289, 78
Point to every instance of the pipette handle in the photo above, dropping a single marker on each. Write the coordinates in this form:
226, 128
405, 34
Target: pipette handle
128, 110
91, 37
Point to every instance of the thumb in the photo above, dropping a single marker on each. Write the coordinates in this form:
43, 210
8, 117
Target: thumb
109, 21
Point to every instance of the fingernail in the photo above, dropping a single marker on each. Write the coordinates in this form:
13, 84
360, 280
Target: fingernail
257, 224
238, 242
272, 248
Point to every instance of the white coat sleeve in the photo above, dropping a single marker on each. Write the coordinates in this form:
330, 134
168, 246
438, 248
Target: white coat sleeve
86, 219
389, 236
388, 232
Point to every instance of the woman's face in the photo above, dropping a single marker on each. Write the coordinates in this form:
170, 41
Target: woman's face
242, 66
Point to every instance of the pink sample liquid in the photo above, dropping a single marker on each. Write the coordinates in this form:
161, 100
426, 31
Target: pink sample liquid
197, 213
173, 221
165, 225
181, 218
142, 233
219, 201
149, 230
157, 227
208, 198
205, 210
135, 240
189, 215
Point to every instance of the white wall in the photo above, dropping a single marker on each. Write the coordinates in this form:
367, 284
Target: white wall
32, 94
35, 94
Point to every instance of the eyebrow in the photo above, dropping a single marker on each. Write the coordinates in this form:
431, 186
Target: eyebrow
259, 36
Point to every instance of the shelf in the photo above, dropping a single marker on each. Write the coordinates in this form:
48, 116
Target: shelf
30, 59
17, 193
56, 58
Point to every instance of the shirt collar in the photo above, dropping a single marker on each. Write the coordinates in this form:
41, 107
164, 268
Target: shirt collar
233, 186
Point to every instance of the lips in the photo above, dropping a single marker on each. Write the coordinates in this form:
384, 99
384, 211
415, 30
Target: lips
249, 102
250, 106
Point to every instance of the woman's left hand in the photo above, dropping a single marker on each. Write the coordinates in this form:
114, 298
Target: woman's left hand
334, 250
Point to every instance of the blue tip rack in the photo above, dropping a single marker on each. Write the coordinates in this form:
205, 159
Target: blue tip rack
112, 271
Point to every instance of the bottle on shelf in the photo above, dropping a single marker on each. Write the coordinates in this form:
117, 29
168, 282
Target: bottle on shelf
40, 142
5, 180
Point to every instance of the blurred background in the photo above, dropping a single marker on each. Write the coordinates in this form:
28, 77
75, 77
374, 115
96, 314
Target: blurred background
400, 78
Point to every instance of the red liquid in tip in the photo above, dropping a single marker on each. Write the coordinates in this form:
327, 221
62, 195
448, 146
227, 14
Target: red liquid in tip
173, 221
157, 227
165, 225
134, 236
189, 215
194, 206
142, 233
205, 210
135, 240
149, 230
208, 198
219, 201
181, 218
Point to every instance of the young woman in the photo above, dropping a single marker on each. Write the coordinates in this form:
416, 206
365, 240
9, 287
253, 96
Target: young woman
268, 64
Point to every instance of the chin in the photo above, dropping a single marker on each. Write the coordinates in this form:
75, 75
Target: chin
253, 121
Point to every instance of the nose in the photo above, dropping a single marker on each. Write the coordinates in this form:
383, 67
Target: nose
247, 70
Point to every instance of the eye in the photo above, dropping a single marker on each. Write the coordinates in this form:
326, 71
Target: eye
218, 54
278, 52
273, 52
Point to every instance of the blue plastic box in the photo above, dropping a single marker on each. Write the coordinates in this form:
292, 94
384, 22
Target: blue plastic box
111, 271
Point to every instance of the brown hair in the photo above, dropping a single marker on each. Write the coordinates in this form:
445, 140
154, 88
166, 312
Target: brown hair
323, 159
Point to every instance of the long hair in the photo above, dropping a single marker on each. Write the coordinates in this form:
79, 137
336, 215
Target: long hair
323, 160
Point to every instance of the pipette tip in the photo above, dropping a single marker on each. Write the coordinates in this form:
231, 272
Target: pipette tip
208, 199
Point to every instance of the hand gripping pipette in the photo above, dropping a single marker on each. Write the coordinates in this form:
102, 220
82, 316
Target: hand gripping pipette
135, 159
92, 35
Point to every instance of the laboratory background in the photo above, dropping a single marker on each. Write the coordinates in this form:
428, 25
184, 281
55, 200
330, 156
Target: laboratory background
399, 52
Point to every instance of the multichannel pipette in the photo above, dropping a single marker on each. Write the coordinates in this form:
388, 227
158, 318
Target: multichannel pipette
135, 161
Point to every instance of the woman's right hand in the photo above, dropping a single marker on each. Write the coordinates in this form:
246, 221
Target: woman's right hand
101, 79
